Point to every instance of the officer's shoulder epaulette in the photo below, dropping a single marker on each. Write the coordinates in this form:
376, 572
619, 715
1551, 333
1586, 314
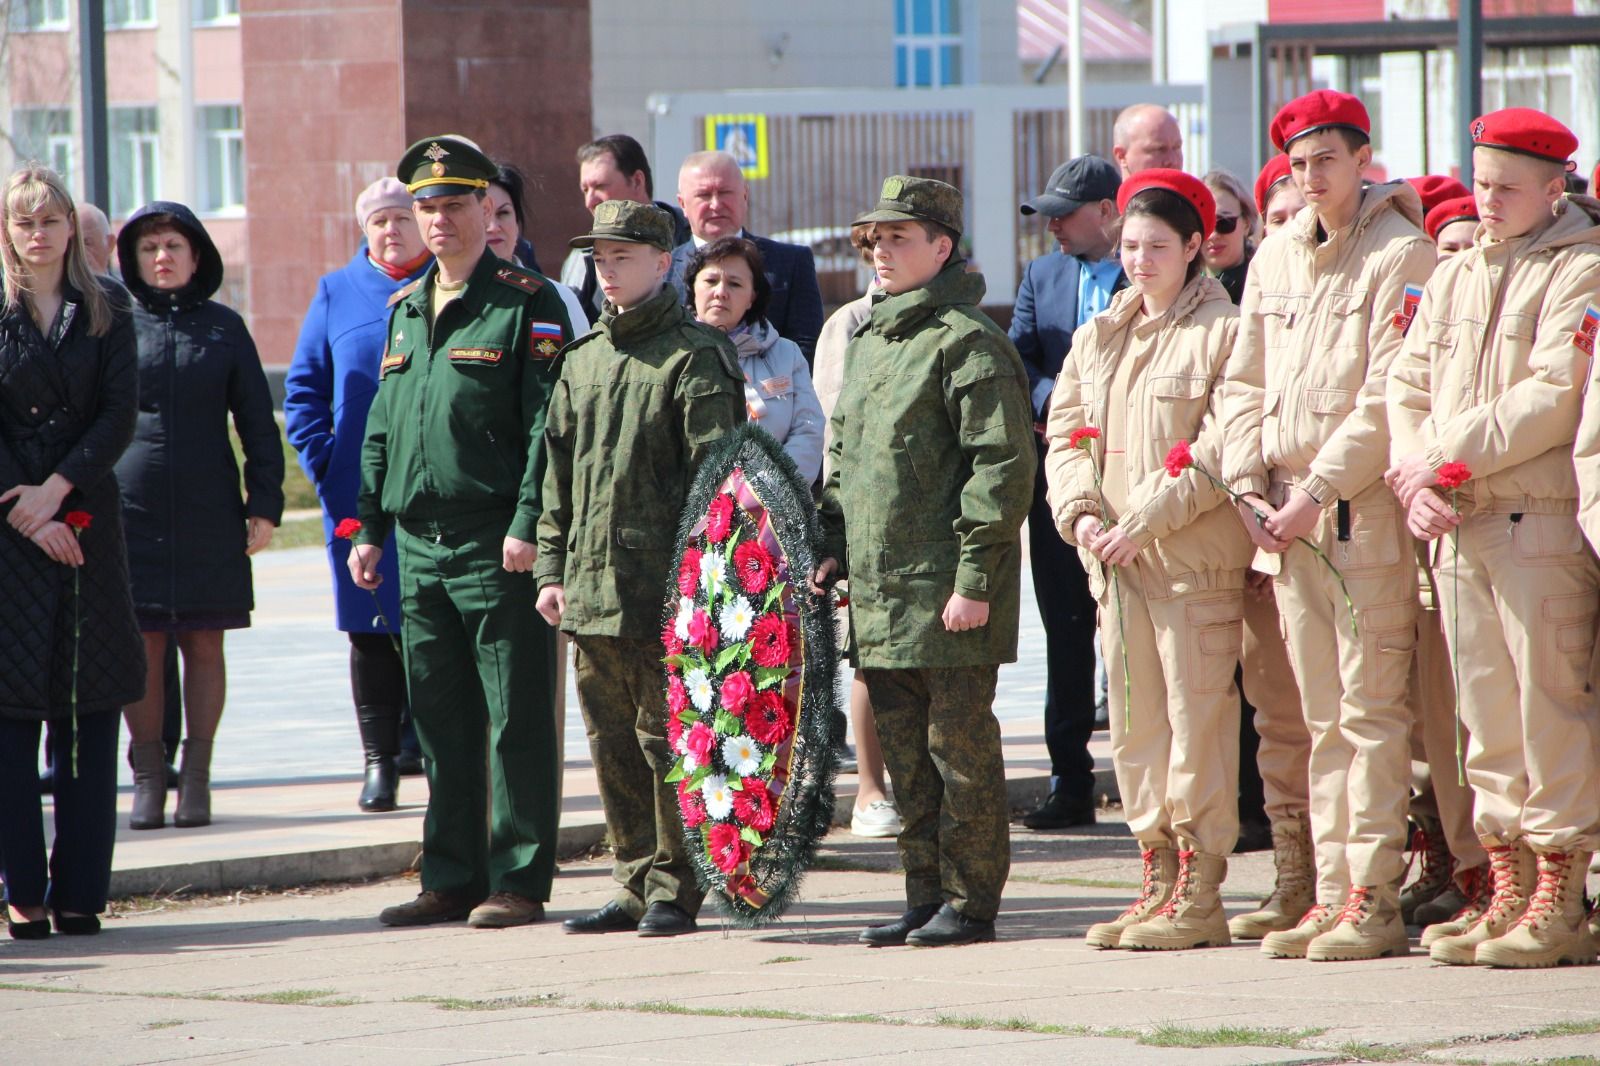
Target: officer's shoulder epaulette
521, 280
402, 292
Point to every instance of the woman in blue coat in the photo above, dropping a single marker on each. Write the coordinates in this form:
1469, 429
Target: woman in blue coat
329, 388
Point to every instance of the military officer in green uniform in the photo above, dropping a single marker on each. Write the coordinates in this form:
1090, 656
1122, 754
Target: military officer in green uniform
932, 466
641, 400
454, 459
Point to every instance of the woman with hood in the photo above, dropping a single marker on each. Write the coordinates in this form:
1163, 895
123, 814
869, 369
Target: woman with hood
190, 530
728, 288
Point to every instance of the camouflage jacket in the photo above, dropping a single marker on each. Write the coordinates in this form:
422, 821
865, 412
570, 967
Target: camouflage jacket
640, 401
931, 475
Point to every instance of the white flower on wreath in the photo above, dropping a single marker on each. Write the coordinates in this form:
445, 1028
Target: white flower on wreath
690, 763
736, 618
680, 624
741, 755
701, 693
713, 571
718, 796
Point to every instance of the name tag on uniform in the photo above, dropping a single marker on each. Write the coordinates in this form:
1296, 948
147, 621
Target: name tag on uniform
1408, 307
544, 339
777, 386
475, 355
1583, 339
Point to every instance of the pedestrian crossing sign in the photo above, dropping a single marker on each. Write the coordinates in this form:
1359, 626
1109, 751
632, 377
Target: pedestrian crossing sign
742, 136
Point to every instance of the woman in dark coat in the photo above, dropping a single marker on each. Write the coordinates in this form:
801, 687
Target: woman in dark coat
72, 655
190, 532
327, 393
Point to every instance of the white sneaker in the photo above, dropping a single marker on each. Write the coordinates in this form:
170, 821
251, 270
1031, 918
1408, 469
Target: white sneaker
878, 819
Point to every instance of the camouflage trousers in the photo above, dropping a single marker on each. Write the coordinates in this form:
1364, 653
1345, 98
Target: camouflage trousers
622, 692
941, 744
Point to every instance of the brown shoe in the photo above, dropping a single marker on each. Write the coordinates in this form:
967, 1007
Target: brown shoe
1294, 891
427, 909
505, 909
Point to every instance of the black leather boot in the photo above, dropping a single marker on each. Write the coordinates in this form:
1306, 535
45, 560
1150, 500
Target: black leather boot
380, 739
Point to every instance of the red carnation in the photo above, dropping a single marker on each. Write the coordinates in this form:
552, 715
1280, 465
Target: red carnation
769, 641
677, 696
693, 806
689, 571
753, 806
719, 518
1077, 437
755, 566
700, 741
670, 639
347, 528
767, 719
728, 848
79, 520
674, 729
702, 634
1452, 475
737, 689
1179, 459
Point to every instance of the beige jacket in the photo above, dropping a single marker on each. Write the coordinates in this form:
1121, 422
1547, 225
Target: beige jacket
827, 365
1586, 459
1319, 324
1494, 369
1173, 395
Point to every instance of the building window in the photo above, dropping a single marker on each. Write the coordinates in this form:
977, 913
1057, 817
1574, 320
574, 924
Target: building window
927, 43
122, 14
39, 14
135, 157
213, 11
45, 134
1540, 78
223, 159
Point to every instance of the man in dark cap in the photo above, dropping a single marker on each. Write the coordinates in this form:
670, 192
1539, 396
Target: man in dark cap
454, 459
1060, 292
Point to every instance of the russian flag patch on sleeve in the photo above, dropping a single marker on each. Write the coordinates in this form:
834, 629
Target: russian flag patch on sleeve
1583, 339
1408, 307
544, 339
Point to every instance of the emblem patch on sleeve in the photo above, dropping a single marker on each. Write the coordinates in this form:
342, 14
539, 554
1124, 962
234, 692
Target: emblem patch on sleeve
1408, 307
544, 339
1583, 338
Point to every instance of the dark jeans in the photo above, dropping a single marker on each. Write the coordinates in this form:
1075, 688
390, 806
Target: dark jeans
78, 874
1068, 612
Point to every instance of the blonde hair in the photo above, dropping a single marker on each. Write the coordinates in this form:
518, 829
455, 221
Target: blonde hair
1228, 182
32, 187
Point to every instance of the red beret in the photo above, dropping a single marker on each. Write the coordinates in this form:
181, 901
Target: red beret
1448, 211
1323, 109
1186, 186
1525, 131
1435, 189
1276, 170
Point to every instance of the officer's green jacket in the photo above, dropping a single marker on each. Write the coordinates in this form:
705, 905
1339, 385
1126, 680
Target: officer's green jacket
455, 435
641, 400
932, 463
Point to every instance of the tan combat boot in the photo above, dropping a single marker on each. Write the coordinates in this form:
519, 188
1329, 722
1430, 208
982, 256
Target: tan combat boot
1192, 917
1293, 892
1437, 868
1449, 903
1369, 927
1292, 943
1554, 930
1511, 869
1476, 886
1160, 872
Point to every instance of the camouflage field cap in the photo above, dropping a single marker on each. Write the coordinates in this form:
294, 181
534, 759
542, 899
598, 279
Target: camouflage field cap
627, 220
908, 199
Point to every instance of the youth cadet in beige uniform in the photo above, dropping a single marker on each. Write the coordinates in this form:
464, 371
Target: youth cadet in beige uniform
1324, 312
1493, 378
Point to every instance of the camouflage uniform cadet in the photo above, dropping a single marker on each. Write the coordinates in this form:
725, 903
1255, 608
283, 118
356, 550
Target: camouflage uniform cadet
931, 475
641, 400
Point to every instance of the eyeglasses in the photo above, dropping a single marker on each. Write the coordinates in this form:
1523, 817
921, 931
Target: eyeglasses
1226, 224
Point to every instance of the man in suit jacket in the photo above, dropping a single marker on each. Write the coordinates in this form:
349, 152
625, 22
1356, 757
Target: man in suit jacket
1059, 292
714, 196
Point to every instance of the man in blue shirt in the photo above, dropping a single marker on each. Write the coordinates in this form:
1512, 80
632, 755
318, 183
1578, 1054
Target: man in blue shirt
1061, 291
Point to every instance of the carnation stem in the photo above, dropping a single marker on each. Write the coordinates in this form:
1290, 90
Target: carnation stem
378, 606
1116, 592
1455, 633
77, 639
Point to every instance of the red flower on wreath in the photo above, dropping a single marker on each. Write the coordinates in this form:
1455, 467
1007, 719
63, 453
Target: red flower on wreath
677, 696
1179, 459
689, 571
755, 566
78, 521
674, 732
719, 518
347, 528
769, 641
767, 719
1078, 437
753, 806
692, 804
1452, 476
671, 641
702, 634
728, 848
700, 741
737, 689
